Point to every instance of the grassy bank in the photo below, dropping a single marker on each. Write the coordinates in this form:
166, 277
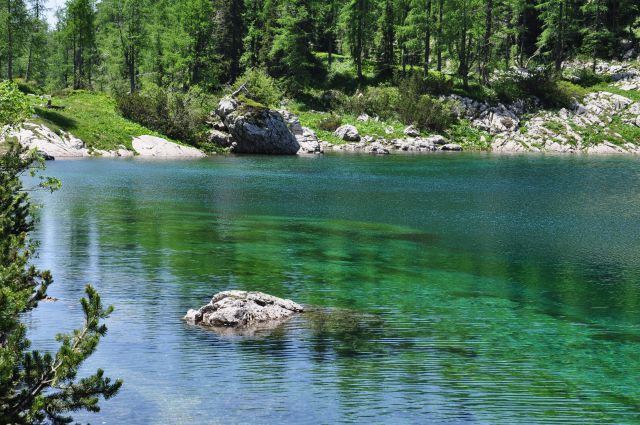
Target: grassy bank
90, 116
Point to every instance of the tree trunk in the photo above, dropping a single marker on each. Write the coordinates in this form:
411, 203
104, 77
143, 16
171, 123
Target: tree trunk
132, 71
9, 42
560, 40
439, 46
486, 44
427, 40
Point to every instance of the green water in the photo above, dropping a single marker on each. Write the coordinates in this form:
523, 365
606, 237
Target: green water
464, 288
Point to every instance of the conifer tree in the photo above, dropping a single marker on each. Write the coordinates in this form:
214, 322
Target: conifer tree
37, 387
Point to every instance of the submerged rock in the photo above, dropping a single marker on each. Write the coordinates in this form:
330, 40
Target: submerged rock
243, 309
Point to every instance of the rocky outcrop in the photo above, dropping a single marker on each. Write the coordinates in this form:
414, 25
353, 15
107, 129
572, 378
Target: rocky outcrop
380, 145
242, 309
51, 144
411, 131
157, 147
60, 145
348, 133
254, 129
307, 138
573, 131
494, 119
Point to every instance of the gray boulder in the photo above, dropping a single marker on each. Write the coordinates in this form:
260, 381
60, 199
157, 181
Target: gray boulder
451, 147
348, 133
243, 309
309, 143
411, 131
256, 130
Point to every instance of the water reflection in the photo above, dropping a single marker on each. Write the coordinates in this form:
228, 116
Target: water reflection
450, 289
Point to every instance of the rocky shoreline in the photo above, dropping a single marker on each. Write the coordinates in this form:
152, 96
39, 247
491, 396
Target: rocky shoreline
586, 127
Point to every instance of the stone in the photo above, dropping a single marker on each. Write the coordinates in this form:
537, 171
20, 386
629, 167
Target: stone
309, 143
377, 148
257, 130
348, 133
220, 138
411, 131
242, 309
363, 118
49, 143
451, 147
293, 122
152, 146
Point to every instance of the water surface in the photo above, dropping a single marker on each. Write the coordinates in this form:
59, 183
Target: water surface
467, 288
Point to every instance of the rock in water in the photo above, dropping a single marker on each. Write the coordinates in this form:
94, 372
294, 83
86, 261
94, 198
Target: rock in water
241, 309
256, 129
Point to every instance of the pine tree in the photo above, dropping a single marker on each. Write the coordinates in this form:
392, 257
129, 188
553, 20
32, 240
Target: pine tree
36, 387
291, 57
14, 30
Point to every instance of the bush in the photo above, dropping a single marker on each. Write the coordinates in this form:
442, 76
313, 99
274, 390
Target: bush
378, 101
426, 112
540, 83
565, 94
262, 88
438, 83
14, 106
181, 116
330, 123
28, 87
587, 78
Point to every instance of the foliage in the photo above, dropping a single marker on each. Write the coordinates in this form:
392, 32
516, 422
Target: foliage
92, 117
37, 387
261, 87
468, 137
426, 112
14, 106
587, 78
330, 123
565, 94
178, 115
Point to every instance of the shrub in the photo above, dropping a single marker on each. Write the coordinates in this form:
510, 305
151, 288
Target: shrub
426, 112
438, 83
181, 116
539, 83
28, 87
261, 86
330, 123
565, 94
380, 101
587, 78
14, 106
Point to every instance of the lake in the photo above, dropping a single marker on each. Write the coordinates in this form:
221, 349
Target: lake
463, 288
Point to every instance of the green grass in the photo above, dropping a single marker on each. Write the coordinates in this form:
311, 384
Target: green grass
368, 128
617, 132
468, 137
92, 117
631, 94
554, 126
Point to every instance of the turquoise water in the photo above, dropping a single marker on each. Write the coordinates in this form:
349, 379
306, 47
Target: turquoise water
462, 288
